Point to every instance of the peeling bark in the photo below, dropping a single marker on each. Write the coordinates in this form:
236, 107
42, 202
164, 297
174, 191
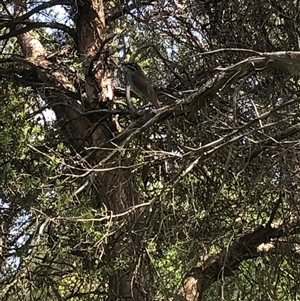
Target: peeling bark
116, 188
225, 262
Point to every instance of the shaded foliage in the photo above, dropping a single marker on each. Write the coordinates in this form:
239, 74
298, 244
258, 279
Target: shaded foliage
204, 189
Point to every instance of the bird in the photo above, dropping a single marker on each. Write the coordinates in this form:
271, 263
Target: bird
140, 84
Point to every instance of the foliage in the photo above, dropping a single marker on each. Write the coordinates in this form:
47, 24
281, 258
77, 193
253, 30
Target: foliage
161, 195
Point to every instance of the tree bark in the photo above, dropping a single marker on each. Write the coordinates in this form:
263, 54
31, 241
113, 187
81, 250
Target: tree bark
265, 239
116, 189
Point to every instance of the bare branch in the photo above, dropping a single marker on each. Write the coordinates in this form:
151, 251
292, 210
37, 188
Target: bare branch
227, 260
32, 25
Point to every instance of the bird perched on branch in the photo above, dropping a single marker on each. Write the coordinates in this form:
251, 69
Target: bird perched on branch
140, 84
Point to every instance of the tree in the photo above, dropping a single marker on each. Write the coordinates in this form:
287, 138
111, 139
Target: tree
114, 199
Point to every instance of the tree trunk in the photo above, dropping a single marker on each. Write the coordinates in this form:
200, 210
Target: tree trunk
115, 189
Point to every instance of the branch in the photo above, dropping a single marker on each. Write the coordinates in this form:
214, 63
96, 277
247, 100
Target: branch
37, 9
260, 147
278, 60
227, 260
33, 25
127, 10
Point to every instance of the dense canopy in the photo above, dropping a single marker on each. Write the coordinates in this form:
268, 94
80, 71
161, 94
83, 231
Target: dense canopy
109, 195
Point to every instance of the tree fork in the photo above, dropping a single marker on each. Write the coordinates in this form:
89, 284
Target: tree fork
118, 187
